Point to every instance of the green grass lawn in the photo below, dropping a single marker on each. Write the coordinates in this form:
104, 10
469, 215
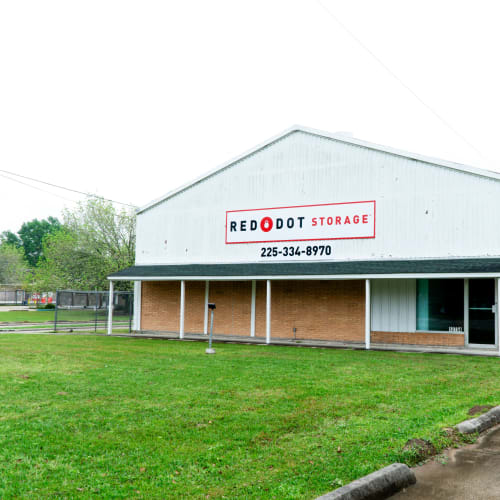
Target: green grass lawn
47, 316
33, 316
97, 417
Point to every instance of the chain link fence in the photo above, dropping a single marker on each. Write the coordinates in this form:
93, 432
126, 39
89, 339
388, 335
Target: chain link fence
89, 310
12, 297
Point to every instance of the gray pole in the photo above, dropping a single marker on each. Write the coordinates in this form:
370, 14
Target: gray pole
55, 311
210, 350
96, 308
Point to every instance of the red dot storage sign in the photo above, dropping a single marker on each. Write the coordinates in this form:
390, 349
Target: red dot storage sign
329, 221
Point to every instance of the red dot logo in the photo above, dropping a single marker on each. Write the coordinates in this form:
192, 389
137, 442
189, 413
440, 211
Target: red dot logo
266, 224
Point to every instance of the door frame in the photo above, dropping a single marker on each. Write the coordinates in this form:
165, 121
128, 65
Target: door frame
466, 316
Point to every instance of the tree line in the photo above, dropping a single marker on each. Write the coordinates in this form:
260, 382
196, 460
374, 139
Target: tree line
78, 252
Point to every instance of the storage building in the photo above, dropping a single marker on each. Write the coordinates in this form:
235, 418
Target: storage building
321, 238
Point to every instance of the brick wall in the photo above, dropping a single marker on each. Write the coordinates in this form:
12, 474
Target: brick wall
233, 301
160, 305
419, 338
323, 310
194, 312
318, 309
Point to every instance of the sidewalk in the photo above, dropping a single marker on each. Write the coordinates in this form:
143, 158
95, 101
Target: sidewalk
471, 473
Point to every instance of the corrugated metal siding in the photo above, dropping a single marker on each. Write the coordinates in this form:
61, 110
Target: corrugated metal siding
423, 210
394, 305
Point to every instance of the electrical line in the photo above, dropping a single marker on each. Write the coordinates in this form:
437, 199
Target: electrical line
396, 77
34, 187
62, 187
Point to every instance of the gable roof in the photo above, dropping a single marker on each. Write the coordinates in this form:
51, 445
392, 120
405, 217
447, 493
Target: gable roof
339, 137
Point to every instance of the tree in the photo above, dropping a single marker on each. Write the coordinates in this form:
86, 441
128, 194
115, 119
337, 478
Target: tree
13, 269
31, 237
93, 242
10, 238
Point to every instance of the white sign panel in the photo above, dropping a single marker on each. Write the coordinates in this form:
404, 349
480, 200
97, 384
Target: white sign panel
330, 221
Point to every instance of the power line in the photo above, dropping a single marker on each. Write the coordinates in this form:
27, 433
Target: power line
62, 187
396, 77
35, 187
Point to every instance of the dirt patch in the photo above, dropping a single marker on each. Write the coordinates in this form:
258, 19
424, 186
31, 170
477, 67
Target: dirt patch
476, 410
422, 448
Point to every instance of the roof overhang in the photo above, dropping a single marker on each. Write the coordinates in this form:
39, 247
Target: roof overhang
368, 269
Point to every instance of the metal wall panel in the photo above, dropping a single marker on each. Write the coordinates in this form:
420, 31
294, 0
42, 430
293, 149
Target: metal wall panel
423, 210
394, 305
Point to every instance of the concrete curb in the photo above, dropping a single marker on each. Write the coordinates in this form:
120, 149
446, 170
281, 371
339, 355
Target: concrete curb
480, 424
379, 485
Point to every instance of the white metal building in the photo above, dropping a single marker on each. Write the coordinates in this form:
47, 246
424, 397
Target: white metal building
322, 237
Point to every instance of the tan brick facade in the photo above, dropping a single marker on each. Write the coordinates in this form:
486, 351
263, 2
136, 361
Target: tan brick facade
419, 338
318, 309
321, 310
233, 301
194, 313
160, 305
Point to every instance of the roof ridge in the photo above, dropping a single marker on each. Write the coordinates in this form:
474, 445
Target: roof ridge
340, 137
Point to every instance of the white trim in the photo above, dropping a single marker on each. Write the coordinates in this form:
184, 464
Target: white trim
497, 314
466, 319
183, 301
311, 277
205, 319
368, 321
497, 329
337, 137
268, 311
110, 308
137, 305
252, 309
466, 311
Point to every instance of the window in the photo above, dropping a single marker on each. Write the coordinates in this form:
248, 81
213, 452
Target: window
440, 305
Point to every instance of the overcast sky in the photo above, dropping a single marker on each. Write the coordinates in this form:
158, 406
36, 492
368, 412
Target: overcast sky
131, 99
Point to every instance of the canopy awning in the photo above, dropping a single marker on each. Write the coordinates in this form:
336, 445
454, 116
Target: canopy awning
446, 268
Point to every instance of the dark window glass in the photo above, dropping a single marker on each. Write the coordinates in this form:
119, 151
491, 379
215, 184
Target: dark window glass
440, 305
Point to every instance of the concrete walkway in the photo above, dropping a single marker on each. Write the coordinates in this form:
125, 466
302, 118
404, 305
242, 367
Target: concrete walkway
470, 473
323, 343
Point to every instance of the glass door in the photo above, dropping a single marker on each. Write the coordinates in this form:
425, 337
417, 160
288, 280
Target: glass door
482, 311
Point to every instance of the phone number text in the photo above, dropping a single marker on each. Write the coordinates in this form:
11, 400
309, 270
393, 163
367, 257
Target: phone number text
296, 251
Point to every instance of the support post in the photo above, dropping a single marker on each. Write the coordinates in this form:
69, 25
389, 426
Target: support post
466, 311
268, 312
110, 308
252, 311
368, 322
205, 321
137, 305
183, 299
497, 314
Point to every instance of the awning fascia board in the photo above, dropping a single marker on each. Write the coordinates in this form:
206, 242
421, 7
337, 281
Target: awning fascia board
309, 277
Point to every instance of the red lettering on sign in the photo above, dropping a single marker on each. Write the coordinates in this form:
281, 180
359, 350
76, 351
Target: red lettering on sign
365, 219
347, 220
